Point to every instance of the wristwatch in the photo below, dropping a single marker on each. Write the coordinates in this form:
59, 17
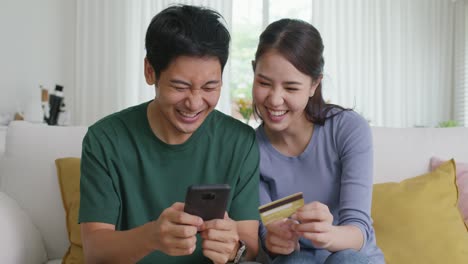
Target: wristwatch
240, 253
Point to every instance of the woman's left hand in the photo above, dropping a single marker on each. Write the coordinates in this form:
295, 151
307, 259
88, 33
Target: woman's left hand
315, 224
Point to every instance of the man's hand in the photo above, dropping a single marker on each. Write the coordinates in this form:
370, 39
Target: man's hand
280, 238
316, 224
220, 240
175, 231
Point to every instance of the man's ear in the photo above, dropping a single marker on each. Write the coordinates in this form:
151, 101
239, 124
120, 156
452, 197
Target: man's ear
315, 84
150, 76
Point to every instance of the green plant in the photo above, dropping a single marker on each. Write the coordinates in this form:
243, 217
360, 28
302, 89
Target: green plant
448, 123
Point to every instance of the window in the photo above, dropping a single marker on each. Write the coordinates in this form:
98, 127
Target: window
248, 21
246, 28
391, 61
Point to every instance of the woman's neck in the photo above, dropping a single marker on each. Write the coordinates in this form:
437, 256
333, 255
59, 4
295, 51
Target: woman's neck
293, 140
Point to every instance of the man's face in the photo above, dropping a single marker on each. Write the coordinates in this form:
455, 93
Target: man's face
186, 92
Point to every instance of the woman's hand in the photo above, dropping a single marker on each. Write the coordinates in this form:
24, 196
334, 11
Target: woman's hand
280, 238
315, 224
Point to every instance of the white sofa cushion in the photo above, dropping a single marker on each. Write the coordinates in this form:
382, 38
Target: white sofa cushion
33, 184
20, 241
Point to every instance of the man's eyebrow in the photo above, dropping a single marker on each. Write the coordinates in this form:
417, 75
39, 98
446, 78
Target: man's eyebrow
175, 81
213, 82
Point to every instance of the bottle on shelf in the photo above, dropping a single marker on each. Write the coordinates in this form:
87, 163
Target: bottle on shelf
45, 102
55, 101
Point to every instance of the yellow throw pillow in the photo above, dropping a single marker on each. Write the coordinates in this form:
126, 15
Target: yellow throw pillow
418, 221
68, 171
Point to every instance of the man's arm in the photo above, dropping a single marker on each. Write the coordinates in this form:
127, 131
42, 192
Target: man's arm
102, 244
248, 232
173, 233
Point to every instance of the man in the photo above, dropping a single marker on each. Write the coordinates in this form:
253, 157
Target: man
137, 163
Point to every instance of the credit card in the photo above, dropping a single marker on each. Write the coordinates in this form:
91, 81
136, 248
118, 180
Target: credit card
281, 208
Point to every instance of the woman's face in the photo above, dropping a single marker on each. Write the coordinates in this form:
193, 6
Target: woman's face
281, 92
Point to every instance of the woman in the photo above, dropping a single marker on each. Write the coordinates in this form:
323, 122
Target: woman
306, 145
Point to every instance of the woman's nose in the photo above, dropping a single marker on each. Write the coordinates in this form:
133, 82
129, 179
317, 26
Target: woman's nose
275, 97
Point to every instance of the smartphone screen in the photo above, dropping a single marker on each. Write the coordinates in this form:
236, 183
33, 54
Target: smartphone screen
208, 201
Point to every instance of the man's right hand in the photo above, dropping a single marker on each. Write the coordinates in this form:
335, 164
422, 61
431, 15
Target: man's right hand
280, 238
174, 232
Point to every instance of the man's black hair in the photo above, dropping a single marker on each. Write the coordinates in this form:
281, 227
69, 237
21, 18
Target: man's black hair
184, 30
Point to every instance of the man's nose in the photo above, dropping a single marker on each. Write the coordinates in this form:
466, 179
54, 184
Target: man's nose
194, 100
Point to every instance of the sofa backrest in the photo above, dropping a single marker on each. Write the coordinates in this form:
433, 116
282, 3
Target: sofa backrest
29, 176
3, 130
26, 139
28, 173
401, 153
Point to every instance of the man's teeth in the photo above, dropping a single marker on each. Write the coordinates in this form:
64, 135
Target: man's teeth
277, 113
186, 114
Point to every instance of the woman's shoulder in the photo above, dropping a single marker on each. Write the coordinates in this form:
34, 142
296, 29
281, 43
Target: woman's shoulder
348, 127
345, 119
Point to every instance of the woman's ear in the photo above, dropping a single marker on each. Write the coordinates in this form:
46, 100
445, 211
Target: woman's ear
149, 73
315, 84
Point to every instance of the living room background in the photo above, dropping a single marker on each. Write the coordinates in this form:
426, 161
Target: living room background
400, 63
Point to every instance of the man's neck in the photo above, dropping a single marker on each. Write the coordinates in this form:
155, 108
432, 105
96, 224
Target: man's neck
162, 128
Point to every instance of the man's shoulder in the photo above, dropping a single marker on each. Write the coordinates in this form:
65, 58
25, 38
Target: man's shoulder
120, 120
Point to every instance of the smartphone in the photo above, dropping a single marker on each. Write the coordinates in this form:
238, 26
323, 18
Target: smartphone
208, 201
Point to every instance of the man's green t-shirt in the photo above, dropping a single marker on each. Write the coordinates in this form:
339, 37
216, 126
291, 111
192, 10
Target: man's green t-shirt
129, 176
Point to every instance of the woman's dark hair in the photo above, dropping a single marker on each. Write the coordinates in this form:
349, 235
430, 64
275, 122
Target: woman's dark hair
184, 30
301, 44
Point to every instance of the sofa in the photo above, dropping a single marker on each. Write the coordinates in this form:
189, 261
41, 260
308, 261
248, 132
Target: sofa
32, 215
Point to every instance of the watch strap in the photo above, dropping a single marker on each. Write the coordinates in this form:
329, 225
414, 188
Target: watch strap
240, 253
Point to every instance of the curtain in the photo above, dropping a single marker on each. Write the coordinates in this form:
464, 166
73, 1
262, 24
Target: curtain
461, 63
392, 60
110, 49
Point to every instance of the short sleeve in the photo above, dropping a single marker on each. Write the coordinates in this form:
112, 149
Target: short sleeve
245, 201
99, 201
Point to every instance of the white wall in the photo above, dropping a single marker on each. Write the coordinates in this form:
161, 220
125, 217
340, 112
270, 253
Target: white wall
37, 46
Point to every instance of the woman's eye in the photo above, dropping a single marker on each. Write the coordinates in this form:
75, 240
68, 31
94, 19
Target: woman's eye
264, 83
181, 89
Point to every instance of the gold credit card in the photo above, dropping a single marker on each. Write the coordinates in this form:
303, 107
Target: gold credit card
281, 208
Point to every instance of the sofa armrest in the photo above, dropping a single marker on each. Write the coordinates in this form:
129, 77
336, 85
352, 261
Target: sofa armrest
20, 241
